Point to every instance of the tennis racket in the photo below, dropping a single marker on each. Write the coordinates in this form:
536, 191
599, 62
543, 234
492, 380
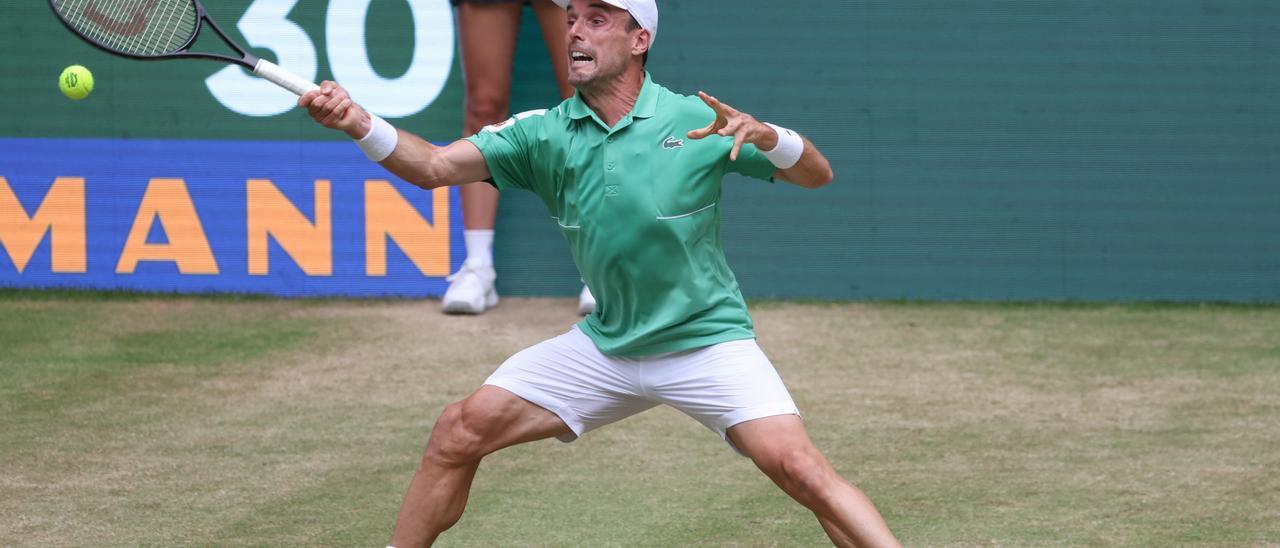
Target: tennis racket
161, 29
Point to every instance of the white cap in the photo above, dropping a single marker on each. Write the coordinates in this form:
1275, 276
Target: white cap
644, 11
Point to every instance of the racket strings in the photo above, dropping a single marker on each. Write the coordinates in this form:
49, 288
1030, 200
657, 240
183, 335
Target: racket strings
82, 7
113, 12
166, 20
134, 27
161, 20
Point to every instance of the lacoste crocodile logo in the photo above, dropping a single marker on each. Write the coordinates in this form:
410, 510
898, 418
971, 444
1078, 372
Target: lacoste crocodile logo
672, 142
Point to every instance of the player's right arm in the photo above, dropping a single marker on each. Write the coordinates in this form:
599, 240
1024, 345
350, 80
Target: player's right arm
414, 159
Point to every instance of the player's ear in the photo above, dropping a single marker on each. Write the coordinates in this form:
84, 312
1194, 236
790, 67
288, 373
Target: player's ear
640, 45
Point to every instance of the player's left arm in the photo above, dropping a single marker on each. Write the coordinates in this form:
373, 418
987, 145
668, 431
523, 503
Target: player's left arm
812, 170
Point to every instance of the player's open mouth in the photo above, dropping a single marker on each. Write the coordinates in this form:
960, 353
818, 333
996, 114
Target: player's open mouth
577, 57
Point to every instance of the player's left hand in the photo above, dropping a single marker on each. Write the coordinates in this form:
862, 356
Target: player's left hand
743, 127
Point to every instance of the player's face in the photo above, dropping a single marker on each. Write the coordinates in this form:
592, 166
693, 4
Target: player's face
600, 43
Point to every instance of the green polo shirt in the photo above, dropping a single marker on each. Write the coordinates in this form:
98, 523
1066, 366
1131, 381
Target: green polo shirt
639, 204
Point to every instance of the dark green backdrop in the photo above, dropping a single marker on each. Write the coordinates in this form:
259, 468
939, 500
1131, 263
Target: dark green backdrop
169, 99
998, 149
1015, 149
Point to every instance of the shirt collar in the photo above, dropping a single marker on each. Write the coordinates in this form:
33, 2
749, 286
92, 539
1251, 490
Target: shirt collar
645, 105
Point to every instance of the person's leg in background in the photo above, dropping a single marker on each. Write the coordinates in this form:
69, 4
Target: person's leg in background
487, 35
551, 19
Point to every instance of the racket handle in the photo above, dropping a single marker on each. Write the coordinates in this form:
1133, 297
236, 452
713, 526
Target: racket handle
283, 78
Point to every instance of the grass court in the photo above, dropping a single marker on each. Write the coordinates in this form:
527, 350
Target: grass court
134, 420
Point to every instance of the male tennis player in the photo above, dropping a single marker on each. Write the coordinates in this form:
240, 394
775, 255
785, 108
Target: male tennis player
631, 174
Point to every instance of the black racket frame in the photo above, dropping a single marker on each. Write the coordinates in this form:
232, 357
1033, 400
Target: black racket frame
246, 59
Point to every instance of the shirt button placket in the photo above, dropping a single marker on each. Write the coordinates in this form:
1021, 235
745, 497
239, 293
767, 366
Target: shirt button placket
609, 163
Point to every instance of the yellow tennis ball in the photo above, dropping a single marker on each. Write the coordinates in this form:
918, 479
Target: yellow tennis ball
76, 82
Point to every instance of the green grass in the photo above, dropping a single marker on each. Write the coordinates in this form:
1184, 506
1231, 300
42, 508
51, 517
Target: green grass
133, 420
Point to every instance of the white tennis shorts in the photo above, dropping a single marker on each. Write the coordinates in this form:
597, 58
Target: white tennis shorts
719, 385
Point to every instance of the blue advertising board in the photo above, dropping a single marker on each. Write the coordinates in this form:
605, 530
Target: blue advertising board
288, 218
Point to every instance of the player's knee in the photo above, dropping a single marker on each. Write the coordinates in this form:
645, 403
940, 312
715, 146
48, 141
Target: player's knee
453, 441
805, 474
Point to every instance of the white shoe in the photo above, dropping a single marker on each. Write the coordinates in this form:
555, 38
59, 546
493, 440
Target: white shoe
586, 302
470, 290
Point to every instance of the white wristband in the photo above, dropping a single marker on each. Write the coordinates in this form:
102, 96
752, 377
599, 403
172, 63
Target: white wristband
787, 152
381, 140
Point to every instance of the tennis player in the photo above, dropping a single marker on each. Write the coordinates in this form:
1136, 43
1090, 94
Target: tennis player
631, 174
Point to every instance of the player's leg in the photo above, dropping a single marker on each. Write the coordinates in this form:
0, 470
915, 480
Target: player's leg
563, 387
781, 448
733, 389
487, 34
488, 420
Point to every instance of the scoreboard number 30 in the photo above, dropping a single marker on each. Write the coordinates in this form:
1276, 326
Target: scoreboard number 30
265, 26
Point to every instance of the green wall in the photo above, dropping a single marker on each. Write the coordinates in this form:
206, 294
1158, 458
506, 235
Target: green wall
996, 149
169, 99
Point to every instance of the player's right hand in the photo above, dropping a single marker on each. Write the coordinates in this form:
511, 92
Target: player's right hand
331, 107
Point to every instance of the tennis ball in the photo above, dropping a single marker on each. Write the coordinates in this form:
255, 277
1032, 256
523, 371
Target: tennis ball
76, 82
